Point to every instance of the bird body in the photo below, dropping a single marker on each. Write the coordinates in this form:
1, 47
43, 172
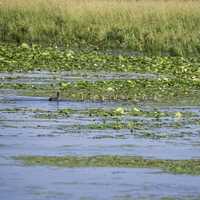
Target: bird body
55, 98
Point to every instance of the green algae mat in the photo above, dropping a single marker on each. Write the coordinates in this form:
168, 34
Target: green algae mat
174, 166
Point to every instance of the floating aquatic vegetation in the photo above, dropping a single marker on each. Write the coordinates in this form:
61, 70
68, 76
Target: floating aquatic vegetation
55, 114
174, 166
134, 90
115, 125
18, 58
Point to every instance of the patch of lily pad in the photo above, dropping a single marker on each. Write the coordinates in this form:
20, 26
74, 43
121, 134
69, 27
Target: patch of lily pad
132, 90
191, 167
136, 121
26, 57
113, 113
115, 125
136, 111
66, 112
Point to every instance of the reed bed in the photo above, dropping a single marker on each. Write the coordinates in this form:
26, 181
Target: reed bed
148, 26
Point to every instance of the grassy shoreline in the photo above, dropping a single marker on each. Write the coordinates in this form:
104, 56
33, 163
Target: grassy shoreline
153, 27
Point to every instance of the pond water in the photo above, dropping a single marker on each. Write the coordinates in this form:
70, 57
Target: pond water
24, 132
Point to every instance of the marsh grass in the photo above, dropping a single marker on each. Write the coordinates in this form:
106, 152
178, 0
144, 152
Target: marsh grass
154, 27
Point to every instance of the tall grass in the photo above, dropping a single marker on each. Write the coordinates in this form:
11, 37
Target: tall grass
151, 26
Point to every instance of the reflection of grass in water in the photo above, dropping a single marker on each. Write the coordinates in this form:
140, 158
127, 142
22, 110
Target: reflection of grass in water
174, 166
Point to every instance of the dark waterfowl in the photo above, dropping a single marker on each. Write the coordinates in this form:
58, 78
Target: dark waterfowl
55, 98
